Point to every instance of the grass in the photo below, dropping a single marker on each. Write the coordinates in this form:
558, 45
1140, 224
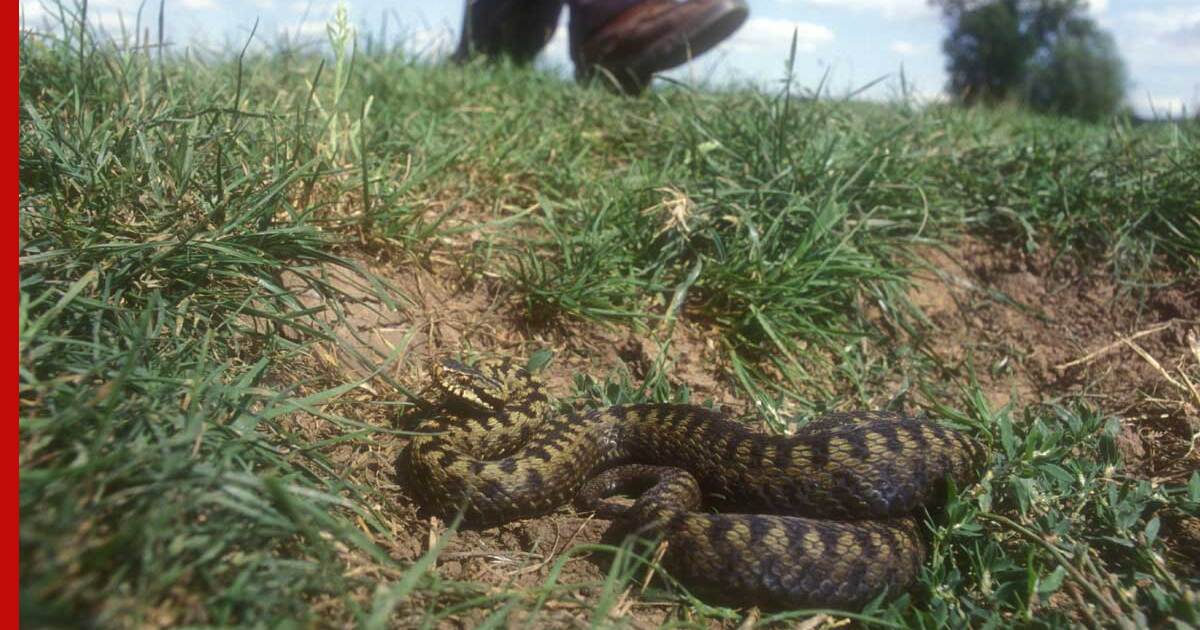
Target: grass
164, 480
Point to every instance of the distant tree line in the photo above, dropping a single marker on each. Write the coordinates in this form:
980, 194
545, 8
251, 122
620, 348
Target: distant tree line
1048, 54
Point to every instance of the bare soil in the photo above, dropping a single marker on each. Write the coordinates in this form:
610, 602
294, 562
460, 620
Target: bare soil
1036, 329
1033, 329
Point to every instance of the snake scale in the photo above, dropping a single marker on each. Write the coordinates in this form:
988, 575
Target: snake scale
822, 517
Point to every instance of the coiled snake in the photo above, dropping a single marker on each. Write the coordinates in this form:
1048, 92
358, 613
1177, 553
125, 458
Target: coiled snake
825, 515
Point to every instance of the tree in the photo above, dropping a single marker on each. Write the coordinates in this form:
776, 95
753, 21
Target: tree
1081, 75
987, 53
1046, 53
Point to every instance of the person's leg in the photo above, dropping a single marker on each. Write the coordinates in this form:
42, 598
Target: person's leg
632, 39
519, 29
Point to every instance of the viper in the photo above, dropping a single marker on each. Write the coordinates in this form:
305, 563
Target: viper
825, 516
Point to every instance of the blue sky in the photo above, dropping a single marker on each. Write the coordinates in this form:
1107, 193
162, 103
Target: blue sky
854, 41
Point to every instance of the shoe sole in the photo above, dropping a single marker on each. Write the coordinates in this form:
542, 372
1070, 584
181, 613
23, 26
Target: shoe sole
714, 27
631, 75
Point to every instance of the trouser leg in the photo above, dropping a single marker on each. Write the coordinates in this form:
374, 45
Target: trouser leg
519, 29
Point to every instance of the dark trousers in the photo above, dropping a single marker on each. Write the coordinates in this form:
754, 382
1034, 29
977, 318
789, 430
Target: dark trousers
522, 28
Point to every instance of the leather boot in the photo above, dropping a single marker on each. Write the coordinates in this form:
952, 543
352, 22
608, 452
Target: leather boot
652, 36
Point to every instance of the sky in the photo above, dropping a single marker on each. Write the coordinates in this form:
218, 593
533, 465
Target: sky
850, 43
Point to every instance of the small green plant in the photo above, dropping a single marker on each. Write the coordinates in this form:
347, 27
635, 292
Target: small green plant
344, 137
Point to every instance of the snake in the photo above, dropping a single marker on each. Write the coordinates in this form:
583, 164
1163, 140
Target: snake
826, 516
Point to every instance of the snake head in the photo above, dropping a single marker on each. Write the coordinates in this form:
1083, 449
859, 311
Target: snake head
474, 387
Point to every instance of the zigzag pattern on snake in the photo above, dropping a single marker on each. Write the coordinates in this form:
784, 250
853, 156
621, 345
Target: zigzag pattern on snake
823, 517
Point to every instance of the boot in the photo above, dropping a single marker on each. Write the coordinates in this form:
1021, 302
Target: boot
652, 36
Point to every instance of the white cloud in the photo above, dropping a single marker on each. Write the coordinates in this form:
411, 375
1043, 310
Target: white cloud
32, 10
112, 22
305, 30
109, 16
1181, 24
901, 47
1169, 36
1096, 6
770, 34
125, 6
199, 4
1167, 17
320, 6
1164, 106
887, 8
430, 42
